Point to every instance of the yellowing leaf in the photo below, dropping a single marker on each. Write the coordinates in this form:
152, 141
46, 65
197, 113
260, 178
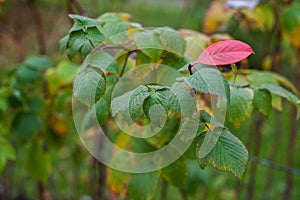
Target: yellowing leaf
294, 38
195, 43
217, 17
240, 105
261, 18
117, 181
38, 163
228, 154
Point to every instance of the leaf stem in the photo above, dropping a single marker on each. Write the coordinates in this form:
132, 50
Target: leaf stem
91, 43
190, 68
125, 62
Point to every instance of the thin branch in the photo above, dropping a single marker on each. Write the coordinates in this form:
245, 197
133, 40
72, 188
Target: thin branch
39, 28
5, 31
183, 194
292, 137
104, 47
76, 5
238, 17
125, 62
273, 154
41, 190
274, 165
190, 69
278, 36
251, 183
164, 190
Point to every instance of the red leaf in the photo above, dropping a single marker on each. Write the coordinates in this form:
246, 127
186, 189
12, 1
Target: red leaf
224, 53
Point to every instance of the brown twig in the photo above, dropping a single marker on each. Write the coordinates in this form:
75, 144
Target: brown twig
183, 194
76, 5
278, 36
39, 28
41, 190
164, 190
190, 69
4, 30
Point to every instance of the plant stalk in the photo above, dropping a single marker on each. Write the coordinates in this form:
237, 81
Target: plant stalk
292, 136
257, 144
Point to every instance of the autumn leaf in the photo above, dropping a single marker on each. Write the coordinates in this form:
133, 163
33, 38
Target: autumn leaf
224, 53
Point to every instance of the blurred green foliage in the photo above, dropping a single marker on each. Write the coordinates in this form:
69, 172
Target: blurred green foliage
39, 150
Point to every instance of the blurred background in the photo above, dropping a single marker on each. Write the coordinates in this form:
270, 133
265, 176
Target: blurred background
37, 119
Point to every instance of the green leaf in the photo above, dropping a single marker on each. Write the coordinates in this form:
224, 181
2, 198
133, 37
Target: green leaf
193, 40
278, 90
102, 60
117, 181
95, 35
114, 27
191, 127
70, 53
66, 72
176, 173
86, 48
89, 86
228, 155
206, 117
149, 43
3, 104
142, 58
27, 75
290, 18
136, 102
208, 80
102, 110
283, 81
171, 40
7, 152
262, 101
143, 186
38, 162
173, 60
182, 102
157, 97
4, 129
210, 140
258, 78
241, 106
26, 125
36, 104
110, 17
38, 63
120, 103
276, 102
62, 75
76, 40
158, 116
82, 22
63, 42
